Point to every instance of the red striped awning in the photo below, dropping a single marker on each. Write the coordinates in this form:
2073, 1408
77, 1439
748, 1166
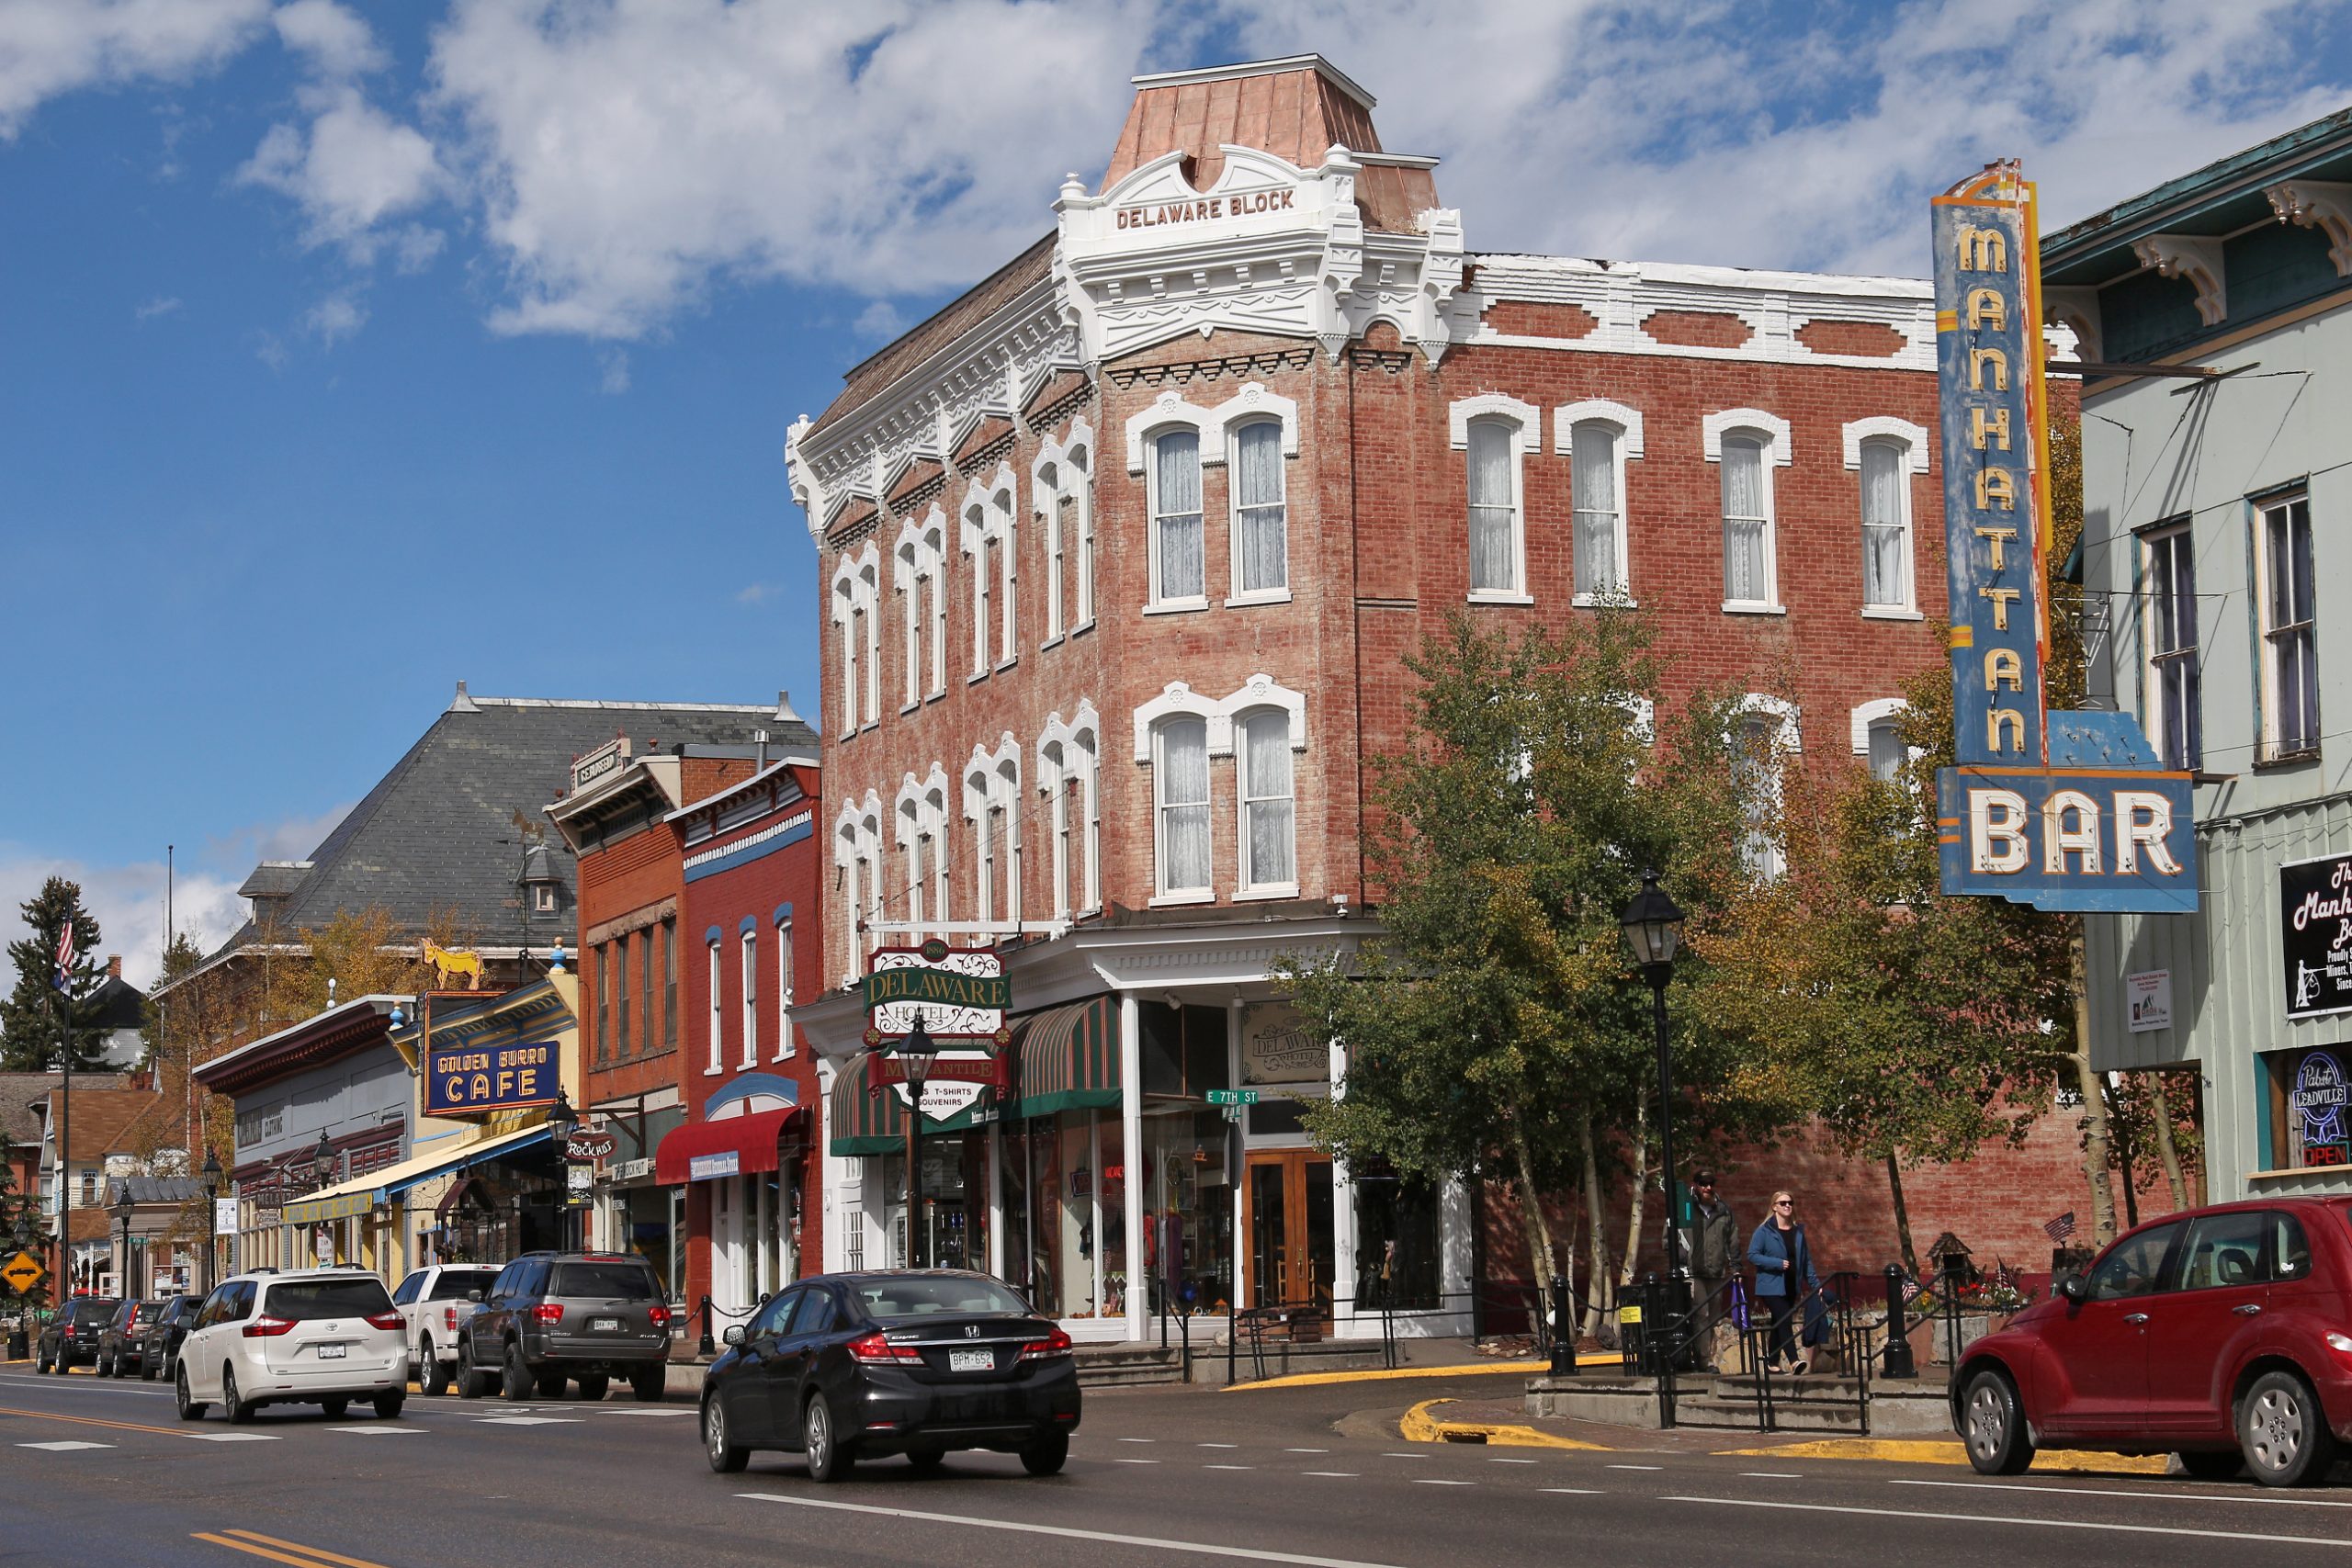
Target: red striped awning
705, 1151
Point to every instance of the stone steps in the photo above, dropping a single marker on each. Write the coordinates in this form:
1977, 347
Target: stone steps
1128, 1366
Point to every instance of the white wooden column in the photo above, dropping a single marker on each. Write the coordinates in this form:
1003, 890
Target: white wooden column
1344, 1285
1131, 1121
996, 1194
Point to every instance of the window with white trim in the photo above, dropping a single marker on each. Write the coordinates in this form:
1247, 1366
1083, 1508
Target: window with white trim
1597, 478
2175, 707
1888, 753
750, 958
718, 977
984, 862
1091, 820
2287, 610
1497, 548
1008, 561
934, 539
1762, 736
1268, 833
783, 1045
1260, 527
1006, 798
1054, 509
1886, 524
845, 617
1748, 576
1081, 462
910, 841
1179, 784
869, 836
1179, 575
910, 582
1056, 781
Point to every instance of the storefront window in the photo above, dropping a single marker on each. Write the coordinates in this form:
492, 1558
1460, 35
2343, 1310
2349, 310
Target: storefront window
1188, 1211
2311, 1121
1397, 1256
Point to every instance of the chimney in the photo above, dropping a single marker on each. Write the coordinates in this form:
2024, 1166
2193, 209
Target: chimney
760, 740
114, 965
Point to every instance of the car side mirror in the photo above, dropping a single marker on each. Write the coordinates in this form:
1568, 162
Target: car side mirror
474, 1296
2076, 1289
734, 1335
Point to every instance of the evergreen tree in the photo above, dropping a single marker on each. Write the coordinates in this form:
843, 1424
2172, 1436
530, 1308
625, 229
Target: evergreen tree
30, 1037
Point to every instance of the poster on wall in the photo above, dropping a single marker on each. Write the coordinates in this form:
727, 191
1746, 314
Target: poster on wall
2147, 1000
2315, 935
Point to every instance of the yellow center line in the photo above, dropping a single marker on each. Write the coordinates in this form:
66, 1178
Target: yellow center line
320, 1552
91, 1421
257, 1550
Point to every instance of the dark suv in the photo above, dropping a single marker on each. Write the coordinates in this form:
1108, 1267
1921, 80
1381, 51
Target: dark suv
73, 1334
159, 1352
122, 1348
550, 1316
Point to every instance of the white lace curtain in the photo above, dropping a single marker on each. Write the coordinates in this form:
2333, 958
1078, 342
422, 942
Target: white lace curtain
1260, 546
1183, 780
1266, 798
1885, 573
1746, 575
1177, 503
1493, 510
1593, 478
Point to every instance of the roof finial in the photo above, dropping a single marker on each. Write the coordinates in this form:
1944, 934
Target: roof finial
462, 702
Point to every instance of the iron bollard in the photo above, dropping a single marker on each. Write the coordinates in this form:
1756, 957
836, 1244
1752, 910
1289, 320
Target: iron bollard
1564, 1343
1899, 1362
706, 1347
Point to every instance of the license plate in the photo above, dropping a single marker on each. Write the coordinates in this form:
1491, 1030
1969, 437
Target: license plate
333, 1352
971, 1360
603, 1326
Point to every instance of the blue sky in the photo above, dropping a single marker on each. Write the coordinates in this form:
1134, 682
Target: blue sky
353, 349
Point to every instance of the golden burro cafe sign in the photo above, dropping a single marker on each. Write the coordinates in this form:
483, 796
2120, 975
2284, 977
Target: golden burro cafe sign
2059, 810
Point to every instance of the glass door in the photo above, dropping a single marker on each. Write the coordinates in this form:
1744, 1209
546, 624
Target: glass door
1288, 1218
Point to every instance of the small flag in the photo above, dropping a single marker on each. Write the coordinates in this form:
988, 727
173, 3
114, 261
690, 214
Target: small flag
2062, 1227
1910, 1292
64, 954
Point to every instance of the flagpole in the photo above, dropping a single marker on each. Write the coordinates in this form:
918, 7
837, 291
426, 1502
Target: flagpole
64, 1133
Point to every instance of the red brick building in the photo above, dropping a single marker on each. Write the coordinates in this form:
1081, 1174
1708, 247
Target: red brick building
1120, 554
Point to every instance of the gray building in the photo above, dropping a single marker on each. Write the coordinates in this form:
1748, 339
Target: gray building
2215, 513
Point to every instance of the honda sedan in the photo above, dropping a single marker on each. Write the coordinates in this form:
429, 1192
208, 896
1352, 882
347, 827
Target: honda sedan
2223, 1335
846, 1367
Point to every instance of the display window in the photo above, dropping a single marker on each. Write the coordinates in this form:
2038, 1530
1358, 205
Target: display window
2311, 1120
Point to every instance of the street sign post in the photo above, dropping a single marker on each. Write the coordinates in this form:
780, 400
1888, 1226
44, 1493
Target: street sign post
1233, 1097
22, 1272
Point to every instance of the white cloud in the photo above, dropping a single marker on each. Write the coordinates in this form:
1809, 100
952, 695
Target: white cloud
415, 246
162, 305
614, 379
880, 320
336, 41
128, 903
51, 46
336, 317
352, 168
756, 592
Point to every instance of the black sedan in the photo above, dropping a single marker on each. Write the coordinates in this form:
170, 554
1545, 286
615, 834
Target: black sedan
159, 1350
844, 1367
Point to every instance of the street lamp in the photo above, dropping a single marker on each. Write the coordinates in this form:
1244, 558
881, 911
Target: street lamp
122, 1212
562, 1122
322, 1159
211, 1202
1653, 930
917, 1052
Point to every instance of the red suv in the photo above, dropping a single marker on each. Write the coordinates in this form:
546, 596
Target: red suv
2222, 1334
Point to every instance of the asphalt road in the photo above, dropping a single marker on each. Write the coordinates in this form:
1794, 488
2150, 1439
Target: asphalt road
104, 1473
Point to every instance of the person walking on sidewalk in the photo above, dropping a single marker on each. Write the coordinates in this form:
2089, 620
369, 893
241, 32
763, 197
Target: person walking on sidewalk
1714, 1257
1783, 1274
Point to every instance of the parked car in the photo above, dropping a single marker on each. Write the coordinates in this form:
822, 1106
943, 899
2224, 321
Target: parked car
321, 1336
550, 1317
124, 1344
2222, 1334
72, 1334
159, 1353
437, 1302
844, 1367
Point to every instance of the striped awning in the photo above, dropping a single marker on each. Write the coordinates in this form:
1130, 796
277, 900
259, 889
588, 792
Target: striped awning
860, 1121
1069, 1058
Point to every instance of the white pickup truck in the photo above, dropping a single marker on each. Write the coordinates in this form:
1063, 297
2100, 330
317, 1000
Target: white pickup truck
435, 1302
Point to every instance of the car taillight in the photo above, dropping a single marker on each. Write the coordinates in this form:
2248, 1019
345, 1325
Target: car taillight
659, 1315
384, 1319
548, 1311
1053, 1346
267, 1327
449, 1319
874, 1349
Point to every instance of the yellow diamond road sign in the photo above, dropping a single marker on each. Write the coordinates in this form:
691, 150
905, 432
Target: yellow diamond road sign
23, 1271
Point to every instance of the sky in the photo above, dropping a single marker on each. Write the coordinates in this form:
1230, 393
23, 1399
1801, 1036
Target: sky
351, 350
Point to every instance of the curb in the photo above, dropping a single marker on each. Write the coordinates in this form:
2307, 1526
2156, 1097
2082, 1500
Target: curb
1389, 1374
1419, 1426
1918, 1450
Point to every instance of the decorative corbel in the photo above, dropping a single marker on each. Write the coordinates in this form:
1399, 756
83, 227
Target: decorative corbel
2076, 309
2323, 205
2196, 259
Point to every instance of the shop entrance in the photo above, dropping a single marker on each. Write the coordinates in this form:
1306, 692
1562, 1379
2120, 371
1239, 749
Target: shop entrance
1286, 1211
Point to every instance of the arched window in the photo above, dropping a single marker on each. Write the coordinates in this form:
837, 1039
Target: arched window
1178, 570
845, 617
783, 1041
845, 868
1496, 547
1052, 508
979, 805
934, 537
907, 570
1180, 782
912, 840
1007, 801
976, 545
1260, 529
1596, 474
1268, 835
1091, 819
1764, 733
1078, 501
1054, 777
1886, 525
1747, 524
751, 958
718, 1016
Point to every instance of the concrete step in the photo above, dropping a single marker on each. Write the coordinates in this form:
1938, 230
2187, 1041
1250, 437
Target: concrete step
1740, 1415
1128, 1366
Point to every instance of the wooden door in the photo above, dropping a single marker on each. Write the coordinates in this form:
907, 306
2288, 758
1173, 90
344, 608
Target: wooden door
1286, 1227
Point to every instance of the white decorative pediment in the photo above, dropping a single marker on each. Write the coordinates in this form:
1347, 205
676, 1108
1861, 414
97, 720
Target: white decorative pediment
1461, 411
1771, 427
1870, 713
1887, 427
1568, 416
1214, 426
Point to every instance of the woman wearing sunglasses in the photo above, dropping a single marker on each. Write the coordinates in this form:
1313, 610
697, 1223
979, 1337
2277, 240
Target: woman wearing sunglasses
1783, 1274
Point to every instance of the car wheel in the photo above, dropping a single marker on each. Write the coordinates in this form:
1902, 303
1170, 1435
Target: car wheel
828, 1459
1992, 1426
725, 1457
1047, 1455
651, 1381
388, 1404
336, 1409
2223, 1466
101, 1367
40, 1361
927, 1461
518, 1378
2282, 1431
146, 1368
239, 1412
472, 1382
190, 1409
594, 1386
431, 1375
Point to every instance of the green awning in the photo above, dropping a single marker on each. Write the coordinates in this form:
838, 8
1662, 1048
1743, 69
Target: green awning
1069, 1058
863, 1118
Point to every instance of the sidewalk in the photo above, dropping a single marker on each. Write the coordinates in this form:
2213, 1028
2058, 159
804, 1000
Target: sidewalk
1425, 1359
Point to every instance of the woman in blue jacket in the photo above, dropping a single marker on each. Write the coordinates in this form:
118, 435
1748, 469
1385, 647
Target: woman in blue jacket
1783, 1274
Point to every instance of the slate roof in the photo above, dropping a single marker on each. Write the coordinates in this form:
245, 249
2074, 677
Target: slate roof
153, 1188
436, 835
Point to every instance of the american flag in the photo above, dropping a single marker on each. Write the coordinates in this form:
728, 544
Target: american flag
1910, 1292
64, 954
2062, 1227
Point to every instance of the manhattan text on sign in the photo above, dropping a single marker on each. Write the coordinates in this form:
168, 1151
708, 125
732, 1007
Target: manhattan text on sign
2060, 810
471, 1081
2315, 935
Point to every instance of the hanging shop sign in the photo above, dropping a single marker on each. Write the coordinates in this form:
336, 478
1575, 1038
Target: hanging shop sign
474, 1080
960, 993
589, 1145
2315, 934
1277, 1046
2059, 810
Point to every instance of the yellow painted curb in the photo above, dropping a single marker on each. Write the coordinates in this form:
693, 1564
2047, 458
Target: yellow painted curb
1916, 1450
1386, 1374
1419, 1426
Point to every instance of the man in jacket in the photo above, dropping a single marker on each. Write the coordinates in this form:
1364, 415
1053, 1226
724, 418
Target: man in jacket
1714, 1255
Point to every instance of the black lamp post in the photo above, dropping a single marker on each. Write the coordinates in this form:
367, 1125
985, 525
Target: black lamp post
562, 1122
323, 1160
917, 1052
211, 1225
122, 1212
1653, 930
